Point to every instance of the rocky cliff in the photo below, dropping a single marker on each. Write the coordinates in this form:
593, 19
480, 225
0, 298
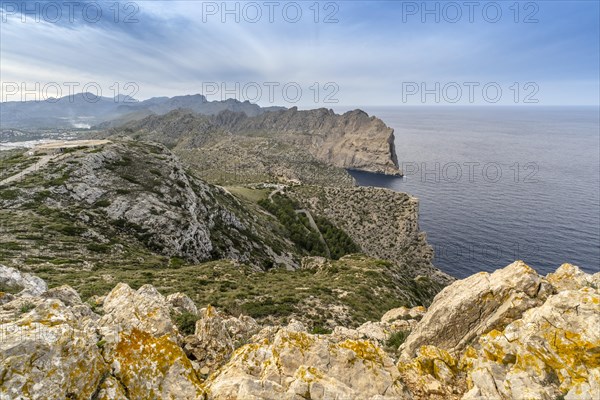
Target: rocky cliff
314, 146
127, 192
383, 222
131, 212
512, 334
353, 140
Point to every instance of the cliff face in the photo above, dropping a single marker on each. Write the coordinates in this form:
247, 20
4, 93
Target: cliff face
314, 146
352, 140
127, 200
383, 222
508, 335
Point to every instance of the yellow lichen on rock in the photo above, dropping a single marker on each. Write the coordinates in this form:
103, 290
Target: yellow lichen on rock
558, 341
151, 367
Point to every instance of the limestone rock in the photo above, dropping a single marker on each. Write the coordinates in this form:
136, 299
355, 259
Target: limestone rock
31, 285
403, 313
71, 298
570, 277
49, 353
145, 309
6, 298
476, 305
296, 365
141, 345
180, 303
111, 389
151, 366
433, 374
378, 332
64, 293
216, 337
554, 349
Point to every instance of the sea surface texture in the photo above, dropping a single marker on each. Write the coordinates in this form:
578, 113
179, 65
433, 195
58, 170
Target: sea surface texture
498, 184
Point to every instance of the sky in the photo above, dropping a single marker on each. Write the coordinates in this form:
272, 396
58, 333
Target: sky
306, 53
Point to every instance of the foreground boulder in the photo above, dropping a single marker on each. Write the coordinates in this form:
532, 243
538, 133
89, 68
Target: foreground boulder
47, 352
474, 306
141, 346
553, 350
215, 338
522, 336
293, 364
27, 283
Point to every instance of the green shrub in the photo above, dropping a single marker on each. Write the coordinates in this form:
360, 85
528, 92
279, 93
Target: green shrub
396, 339
58, 181
320, 330
176, 262
9, 194
68, 230
102, 203
131, 179
98, 248
186, 322
25, 308
123, 162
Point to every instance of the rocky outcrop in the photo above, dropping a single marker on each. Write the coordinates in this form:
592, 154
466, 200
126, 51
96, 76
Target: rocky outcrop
353, 140
21, 281
47, 352
469, 308
553, 350
180, 303
294, 364
547, 347
144, 309
216, 337
570, 277
127, 194
384, 223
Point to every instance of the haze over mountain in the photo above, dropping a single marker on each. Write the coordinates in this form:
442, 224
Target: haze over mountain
84, 110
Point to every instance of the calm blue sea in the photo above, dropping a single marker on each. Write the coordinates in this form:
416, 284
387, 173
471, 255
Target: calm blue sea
498, 184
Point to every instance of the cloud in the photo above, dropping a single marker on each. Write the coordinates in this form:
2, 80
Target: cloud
175, 47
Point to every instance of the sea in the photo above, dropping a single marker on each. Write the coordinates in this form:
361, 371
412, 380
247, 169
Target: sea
499, 184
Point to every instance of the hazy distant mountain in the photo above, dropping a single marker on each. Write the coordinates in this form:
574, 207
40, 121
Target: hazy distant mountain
85, 110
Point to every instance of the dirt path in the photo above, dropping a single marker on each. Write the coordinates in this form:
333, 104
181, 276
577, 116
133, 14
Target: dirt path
274, 192
32, 168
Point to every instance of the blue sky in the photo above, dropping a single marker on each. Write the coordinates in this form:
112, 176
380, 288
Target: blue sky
377, 53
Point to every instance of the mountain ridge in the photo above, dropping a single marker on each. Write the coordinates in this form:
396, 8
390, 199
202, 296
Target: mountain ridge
68, 111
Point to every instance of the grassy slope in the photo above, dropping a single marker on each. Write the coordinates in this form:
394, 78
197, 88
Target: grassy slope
57, 243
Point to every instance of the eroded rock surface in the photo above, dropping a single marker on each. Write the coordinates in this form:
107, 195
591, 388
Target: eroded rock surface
28, 283
474, 306
49, 353
553, 350
295, 365
216, 337
535, 338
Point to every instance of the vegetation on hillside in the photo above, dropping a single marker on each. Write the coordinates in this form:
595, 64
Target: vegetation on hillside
62, 224
329, 241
